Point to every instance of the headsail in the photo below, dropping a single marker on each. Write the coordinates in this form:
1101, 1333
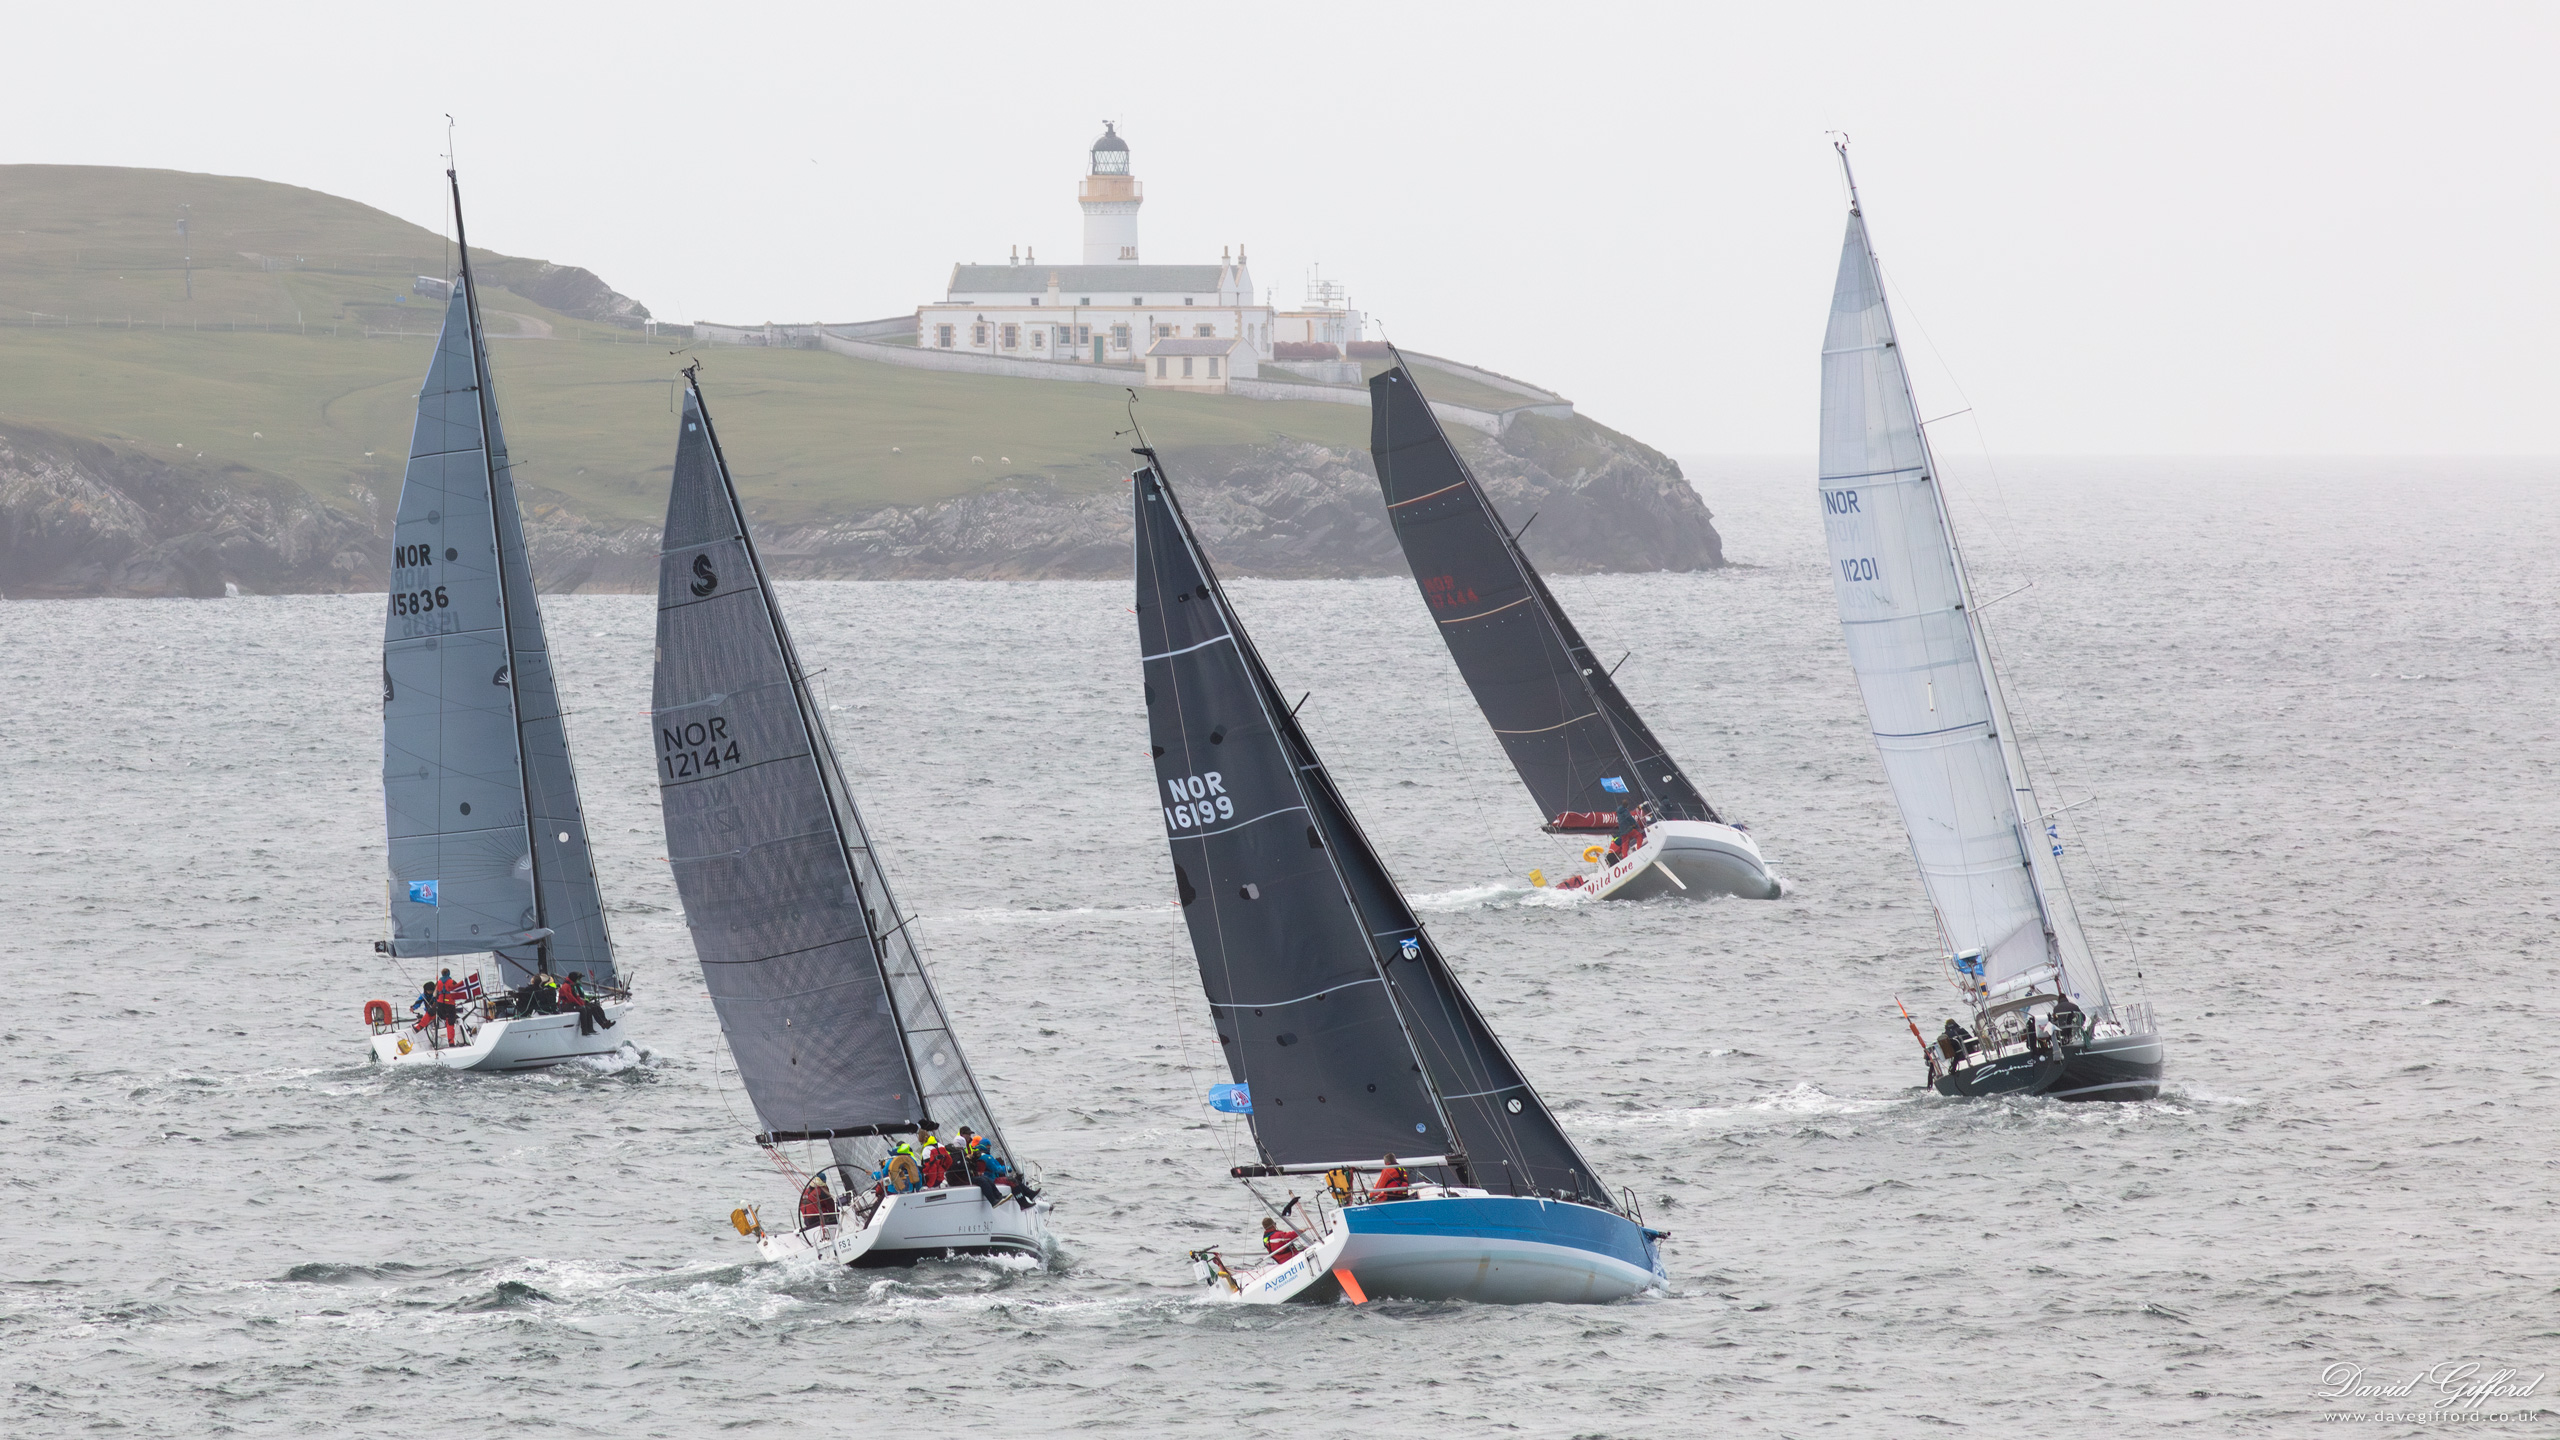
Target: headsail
1333, 1006
1921, 654
488, 843
1577, 743
810, 961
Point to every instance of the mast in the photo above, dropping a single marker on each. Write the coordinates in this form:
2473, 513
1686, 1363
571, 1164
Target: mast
1286, 725
1288, 945
2065, 948
821, 746
1473, 574
498, 553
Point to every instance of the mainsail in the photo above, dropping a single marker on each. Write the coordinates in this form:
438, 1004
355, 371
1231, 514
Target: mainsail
1333, 1006
1922, 656
1577, 743
488, 843
810, 962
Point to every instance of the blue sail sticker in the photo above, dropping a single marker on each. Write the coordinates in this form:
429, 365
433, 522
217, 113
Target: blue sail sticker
422, 892
1614, 784
1412, 948
1231, 1099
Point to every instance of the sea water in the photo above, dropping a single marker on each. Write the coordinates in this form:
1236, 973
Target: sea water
2302, 710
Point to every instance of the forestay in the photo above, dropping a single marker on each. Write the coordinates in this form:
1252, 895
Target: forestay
488, 843
1917, 644
1332, 1004
809, 960
1577, 743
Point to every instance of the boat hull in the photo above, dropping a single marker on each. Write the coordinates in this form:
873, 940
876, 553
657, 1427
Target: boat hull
1497, 1250
1695, 859
2111, 1067
528, 1042
922, 1225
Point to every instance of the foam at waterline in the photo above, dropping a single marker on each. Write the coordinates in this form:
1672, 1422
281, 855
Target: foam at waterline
1798, 1099
1496, 895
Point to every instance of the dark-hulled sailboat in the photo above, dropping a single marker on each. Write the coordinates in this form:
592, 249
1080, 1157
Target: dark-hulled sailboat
1349, 1039
1989, 854
839, 1037
488, 843
1585, 755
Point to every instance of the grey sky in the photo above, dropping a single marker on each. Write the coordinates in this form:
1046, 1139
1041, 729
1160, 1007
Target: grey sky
2279, 228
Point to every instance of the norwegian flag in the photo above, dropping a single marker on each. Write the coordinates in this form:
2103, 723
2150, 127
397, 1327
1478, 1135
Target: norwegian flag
471, 987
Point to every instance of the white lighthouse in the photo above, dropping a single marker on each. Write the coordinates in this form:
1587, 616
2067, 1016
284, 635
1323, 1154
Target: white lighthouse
1110, 196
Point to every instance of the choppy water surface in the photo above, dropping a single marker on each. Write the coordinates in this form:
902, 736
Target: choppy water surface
2312, 705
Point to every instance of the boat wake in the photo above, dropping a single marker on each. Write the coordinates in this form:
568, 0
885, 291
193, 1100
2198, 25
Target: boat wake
1499, 895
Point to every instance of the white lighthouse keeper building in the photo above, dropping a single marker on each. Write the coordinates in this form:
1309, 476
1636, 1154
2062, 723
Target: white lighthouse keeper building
1110, 309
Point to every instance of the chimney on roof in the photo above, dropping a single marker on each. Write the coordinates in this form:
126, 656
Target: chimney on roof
1016, 257
1028, 258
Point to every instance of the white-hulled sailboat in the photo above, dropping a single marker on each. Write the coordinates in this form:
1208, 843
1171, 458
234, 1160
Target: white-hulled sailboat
1581, 750
1349, 1038
1989, 855
840, 1039
488, 843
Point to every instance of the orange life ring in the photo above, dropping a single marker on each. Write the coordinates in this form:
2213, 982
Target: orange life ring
1592, 855
377, 1012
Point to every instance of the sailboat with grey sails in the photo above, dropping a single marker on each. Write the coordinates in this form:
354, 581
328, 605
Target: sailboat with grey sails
1355, 1053
861, 1094
1591, 763
487, 840
1988, 850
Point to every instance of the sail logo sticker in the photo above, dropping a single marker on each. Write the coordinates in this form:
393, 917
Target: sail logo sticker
422, 892
1412, 947
705, 579
1231, 1099
1198, 800
1614, 784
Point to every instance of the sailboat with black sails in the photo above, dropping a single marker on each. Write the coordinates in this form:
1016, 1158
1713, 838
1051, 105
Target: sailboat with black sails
1588, 759
840, 1039
1356, 1054
1989, 853
487, 841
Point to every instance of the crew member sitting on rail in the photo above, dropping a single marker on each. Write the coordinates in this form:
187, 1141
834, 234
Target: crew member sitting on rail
982, 1167
1392, 1183
1281, 1243
817, 1204
590, 1012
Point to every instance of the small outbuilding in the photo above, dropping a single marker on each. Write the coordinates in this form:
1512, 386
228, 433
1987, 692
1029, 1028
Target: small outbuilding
1200, 362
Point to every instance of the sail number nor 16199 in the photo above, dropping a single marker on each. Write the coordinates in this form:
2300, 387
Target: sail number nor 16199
1198, 800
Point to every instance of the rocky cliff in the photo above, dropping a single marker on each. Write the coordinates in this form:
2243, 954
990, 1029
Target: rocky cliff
78, 517
1602, 502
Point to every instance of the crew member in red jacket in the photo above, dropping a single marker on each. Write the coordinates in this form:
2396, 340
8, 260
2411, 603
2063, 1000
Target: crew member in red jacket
1393, 1183
1280, 1241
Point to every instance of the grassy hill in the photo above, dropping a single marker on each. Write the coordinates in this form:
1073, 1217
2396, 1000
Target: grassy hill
98, 339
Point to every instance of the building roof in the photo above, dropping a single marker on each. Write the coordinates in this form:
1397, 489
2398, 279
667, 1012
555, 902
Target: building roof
1107, 284
1110, 138
1191, 345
